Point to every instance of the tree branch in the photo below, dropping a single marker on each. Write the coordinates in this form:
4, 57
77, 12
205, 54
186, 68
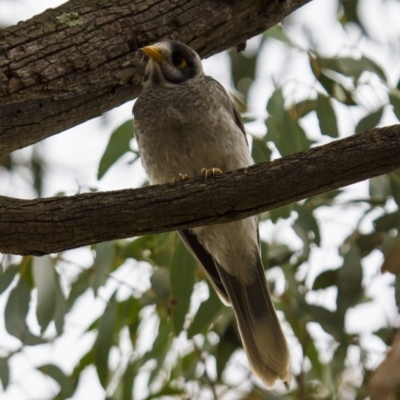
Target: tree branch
74, 62
55, 224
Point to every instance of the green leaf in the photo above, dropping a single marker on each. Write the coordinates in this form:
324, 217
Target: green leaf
86, 360
368, 242
8, 276
326, 117
163, 248
397, 291
304, 237
61, 307
161, 283
128, 380
370, 121
277, 33
395, 186
280, 213
102, 264
4, 372
67, 388
338, 359
296, 136
161, 343
349, 280
15, 314
79, 287
117, 146
325, 279
394, 98
228, 343
350, 12
275, 105
189, 365
104, 340
260, 151
387, 222
287, 135
45, 280
351, 67
16, 310
386, 334
278, 254
137, 248
243, 70
128, 315
206, 313
167, 391
312, 354
183, 269
160, 348
379, 188
306, 220
303, 108
331, 322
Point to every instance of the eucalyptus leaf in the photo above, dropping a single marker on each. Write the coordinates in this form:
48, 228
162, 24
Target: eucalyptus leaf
278, 33
394, 99
326, 117
7, 277
325, 279
206, 313
45, 279
349, 280
260, 151
117, 146
4, 372
370, 121
17, 309
380, 189
228, 343
104, 340
67, 387
395, 187
183, 269
102, 264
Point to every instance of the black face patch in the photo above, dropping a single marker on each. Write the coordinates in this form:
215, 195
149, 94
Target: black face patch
181, 52
177, 59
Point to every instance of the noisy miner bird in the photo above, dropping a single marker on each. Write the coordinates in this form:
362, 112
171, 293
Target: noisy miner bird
186, 125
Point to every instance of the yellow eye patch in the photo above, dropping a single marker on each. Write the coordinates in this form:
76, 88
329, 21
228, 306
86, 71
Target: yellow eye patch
182, 64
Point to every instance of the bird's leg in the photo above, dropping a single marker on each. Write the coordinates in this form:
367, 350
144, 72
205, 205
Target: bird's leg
210, 171
181, 177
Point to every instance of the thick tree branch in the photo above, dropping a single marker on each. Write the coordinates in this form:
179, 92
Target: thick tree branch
54, 224
75, 62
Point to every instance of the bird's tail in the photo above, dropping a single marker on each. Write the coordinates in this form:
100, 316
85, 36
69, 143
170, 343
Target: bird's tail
259, 327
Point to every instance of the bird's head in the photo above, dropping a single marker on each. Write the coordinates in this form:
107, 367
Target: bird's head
171, 63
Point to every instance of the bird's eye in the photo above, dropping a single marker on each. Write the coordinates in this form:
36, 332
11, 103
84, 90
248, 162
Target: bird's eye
179, 61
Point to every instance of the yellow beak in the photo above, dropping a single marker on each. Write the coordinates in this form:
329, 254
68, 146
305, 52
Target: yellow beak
154, 53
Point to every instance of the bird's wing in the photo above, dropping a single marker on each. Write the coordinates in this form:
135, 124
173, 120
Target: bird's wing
206, 261
228, 104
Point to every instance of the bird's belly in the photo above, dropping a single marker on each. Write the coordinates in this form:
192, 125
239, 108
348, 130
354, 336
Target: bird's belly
178, 146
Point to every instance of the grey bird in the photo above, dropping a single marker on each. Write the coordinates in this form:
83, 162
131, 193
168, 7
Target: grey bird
185, 125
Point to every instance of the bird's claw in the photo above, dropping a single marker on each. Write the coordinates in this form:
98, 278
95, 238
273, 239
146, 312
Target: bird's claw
210, 172
181, 177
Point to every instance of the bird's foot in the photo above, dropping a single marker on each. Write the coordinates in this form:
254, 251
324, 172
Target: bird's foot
210, 172
181, 177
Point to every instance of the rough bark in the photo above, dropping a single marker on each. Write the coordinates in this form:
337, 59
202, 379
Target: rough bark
54, 224
75, 62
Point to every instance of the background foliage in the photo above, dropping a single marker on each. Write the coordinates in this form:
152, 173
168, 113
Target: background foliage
155, 328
